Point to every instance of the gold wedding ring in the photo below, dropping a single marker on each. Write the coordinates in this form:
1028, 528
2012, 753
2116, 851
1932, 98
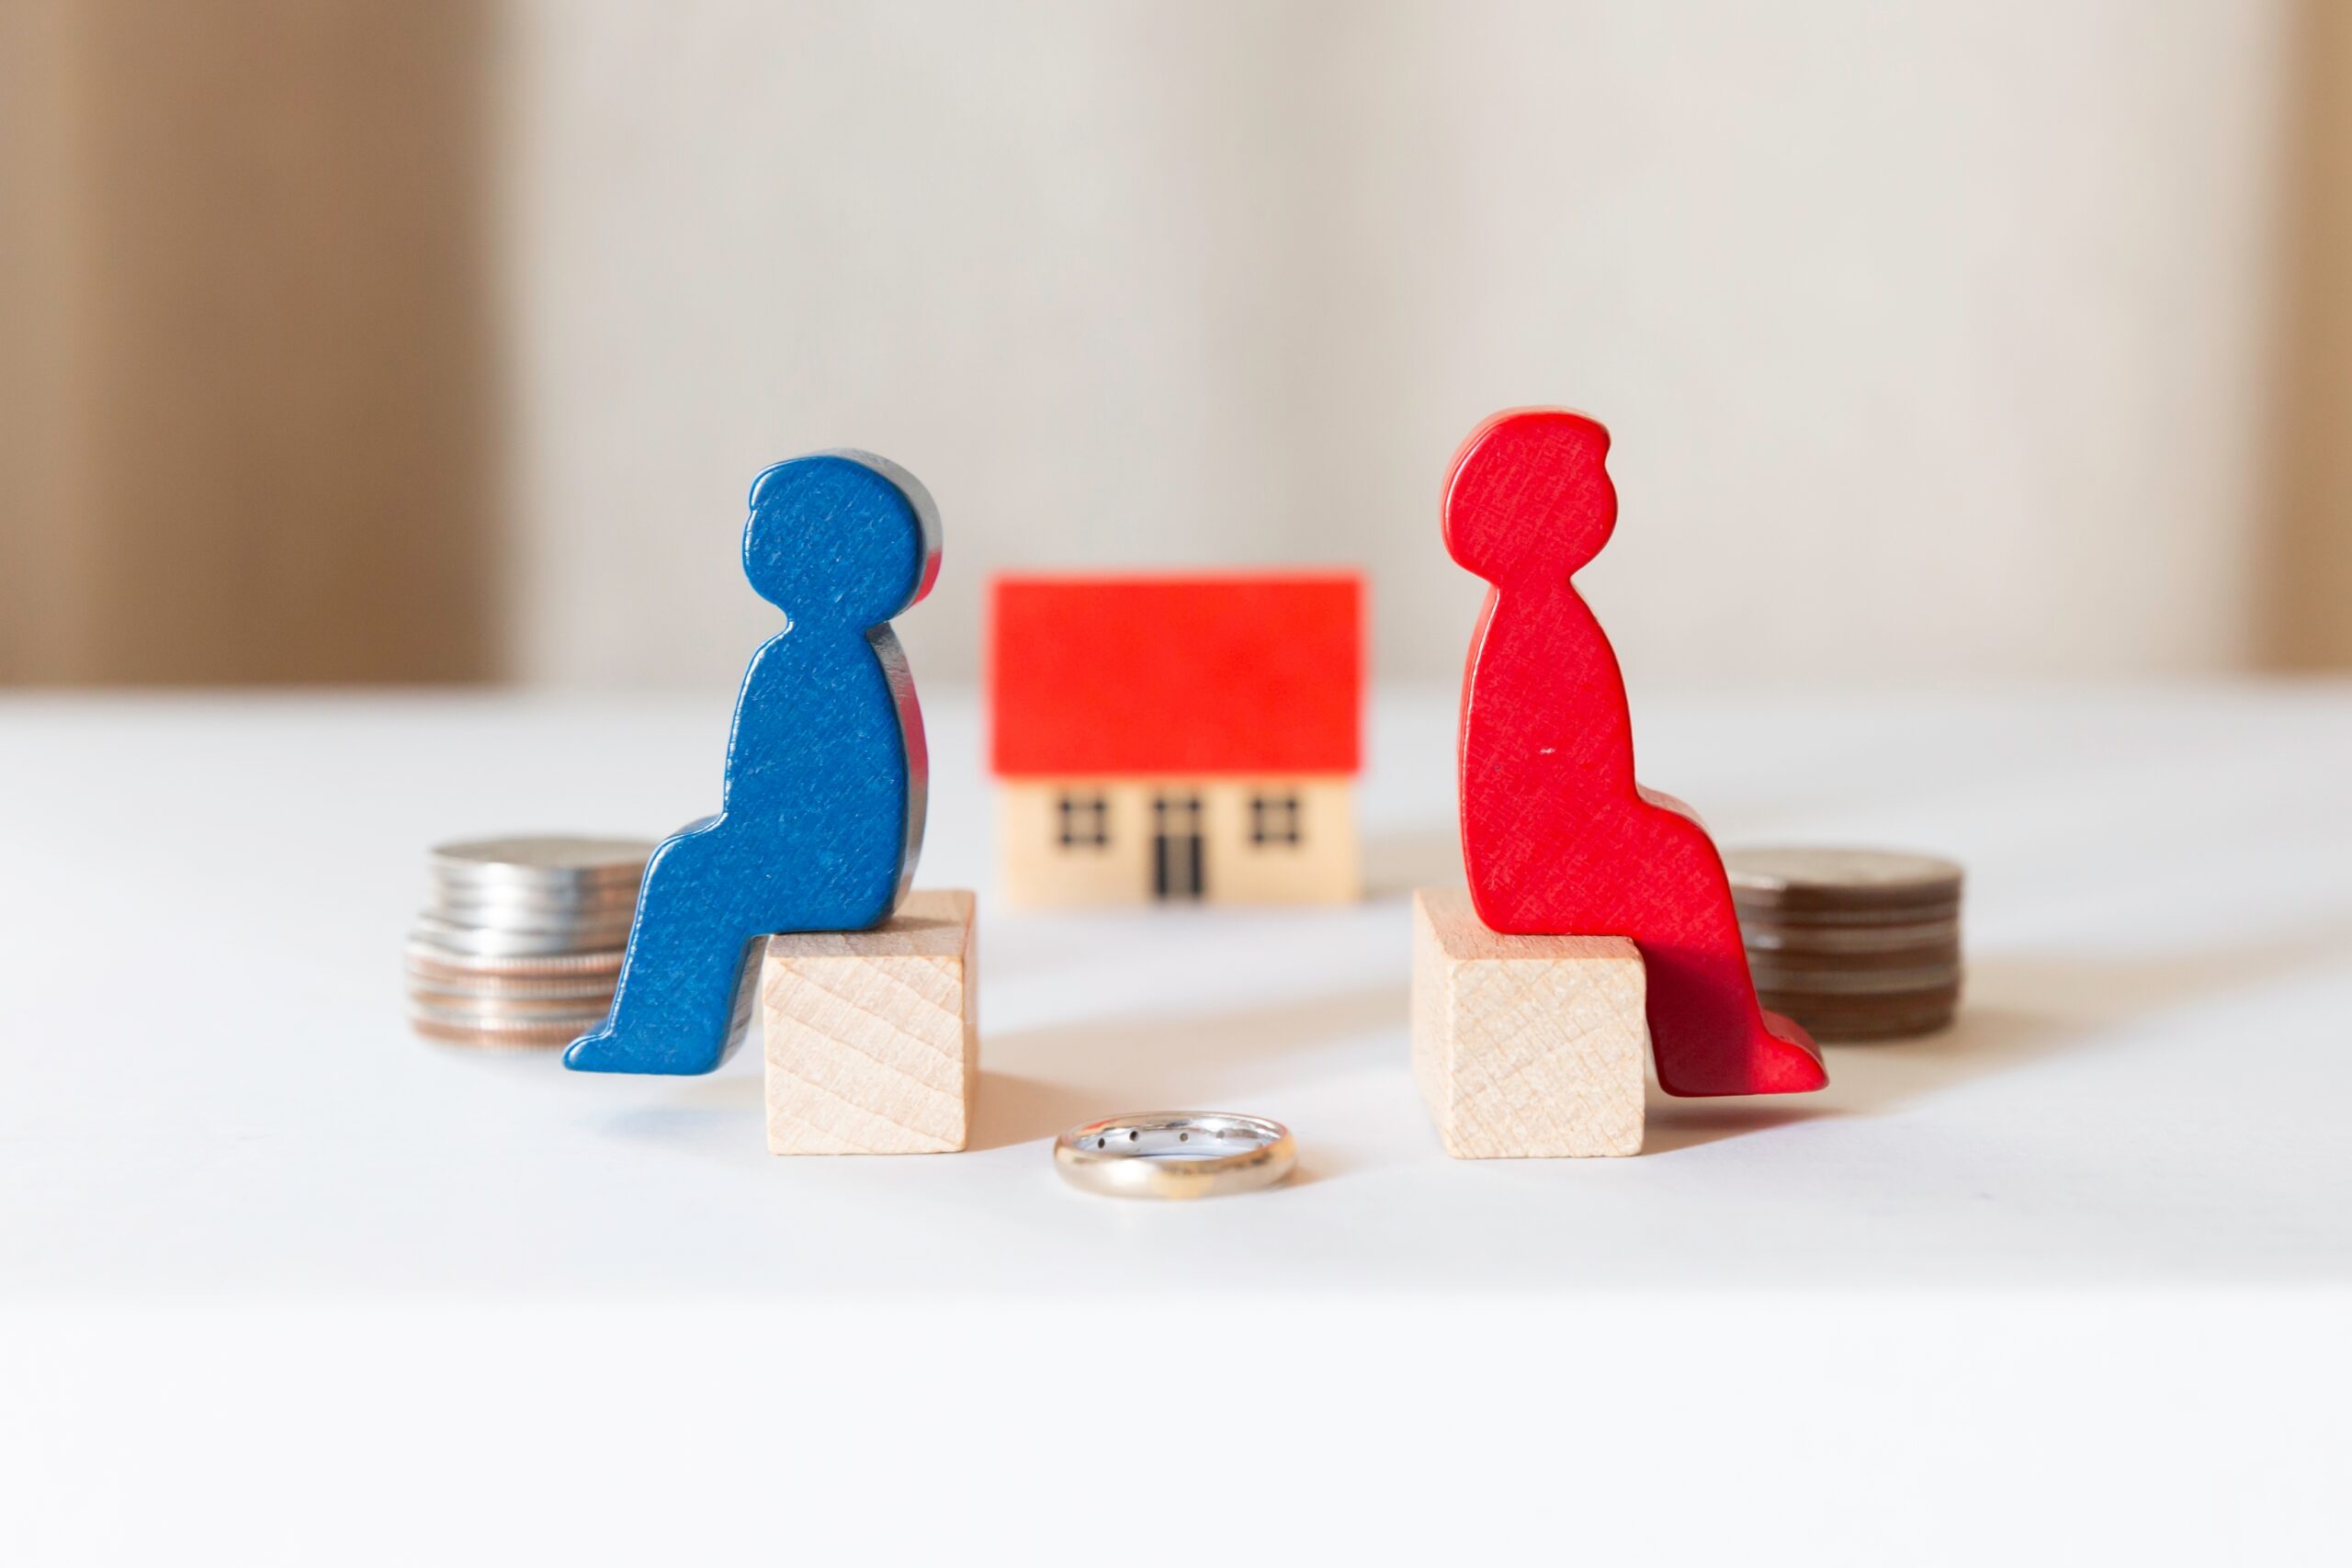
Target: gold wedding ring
1175, 1153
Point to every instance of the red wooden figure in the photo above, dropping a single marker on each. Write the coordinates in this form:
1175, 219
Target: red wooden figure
1558, 837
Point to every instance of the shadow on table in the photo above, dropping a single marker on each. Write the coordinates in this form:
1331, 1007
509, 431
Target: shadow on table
2018, 1009
714, 1114
1036, 1082
1672, 1124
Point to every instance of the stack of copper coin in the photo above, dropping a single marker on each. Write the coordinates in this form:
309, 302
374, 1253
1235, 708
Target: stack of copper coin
1854, 944
521, 945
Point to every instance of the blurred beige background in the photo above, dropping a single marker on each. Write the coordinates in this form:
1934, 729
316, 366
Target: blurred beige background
342, 342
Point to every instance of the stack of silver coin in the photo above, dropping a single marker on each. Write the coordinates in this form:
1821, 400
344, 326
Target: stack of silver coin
1854, 944
521, 944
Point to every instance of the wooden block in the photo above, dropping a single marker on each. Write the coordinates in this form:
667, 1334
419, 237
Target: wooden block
1525, 1046
873, 1037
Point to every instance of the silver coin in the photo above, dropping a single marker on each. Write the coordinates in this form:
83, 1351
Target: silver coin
549, 861
577, 932
549, 852
492, 901
432, 957
576, 936
493, 942
619, 900
585, 936
474, 941
513, 882
497, 907
528, 915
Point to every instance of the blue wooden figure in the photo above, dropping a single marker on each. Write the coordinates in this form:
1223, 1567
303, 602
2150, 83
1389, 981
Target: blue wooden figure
821, 816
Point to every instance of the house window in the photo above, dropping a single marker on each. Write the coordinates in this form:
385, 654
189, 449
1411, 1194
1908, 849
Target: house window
1085, 821
1273, 819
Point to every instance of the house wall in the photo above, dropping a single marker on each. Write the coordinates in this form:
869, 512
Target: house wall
1037, 871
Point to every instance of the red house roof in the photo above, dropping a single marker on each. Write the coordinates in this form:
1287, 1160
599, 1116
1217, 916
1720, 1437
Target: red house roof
1231, 674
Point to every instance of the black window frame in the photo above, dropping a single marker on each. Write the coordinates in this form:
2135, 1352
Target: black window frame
1083, 819
1273, 819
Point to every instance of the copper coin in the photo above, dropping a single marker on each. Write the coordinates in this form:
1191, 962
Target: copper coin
432, 957
1779, 961
449, 1008
483, 941
1864, 983
1867, 1018
531, 912
1830, 921
1834, 881
495, 1039
502, 987
1762, 933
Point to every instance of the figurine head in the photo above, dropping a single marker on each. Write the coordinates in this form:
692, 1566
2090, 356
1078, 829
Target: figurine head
1529, 496
842, 539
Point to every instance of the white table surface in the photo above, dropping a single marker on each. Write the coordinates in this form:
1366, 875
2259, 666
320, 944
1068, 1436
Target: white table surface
212, 1112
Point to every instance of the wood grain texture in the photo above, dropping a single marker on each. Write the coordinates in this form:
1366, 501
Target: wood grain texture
873, 1037
1525, 1046
1557, 835
820, 815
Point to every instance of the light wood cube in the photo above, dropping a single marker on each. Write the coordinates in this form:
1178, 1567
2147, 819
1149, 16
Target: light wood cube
1525, 1046
873, 1037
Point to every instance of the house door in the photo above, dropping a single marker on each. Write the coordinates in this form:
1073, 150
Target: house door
1176, 846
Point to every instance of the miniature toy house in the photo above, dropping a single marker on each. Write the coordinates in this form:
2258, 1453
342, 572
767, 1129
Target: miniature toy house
1177, 737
